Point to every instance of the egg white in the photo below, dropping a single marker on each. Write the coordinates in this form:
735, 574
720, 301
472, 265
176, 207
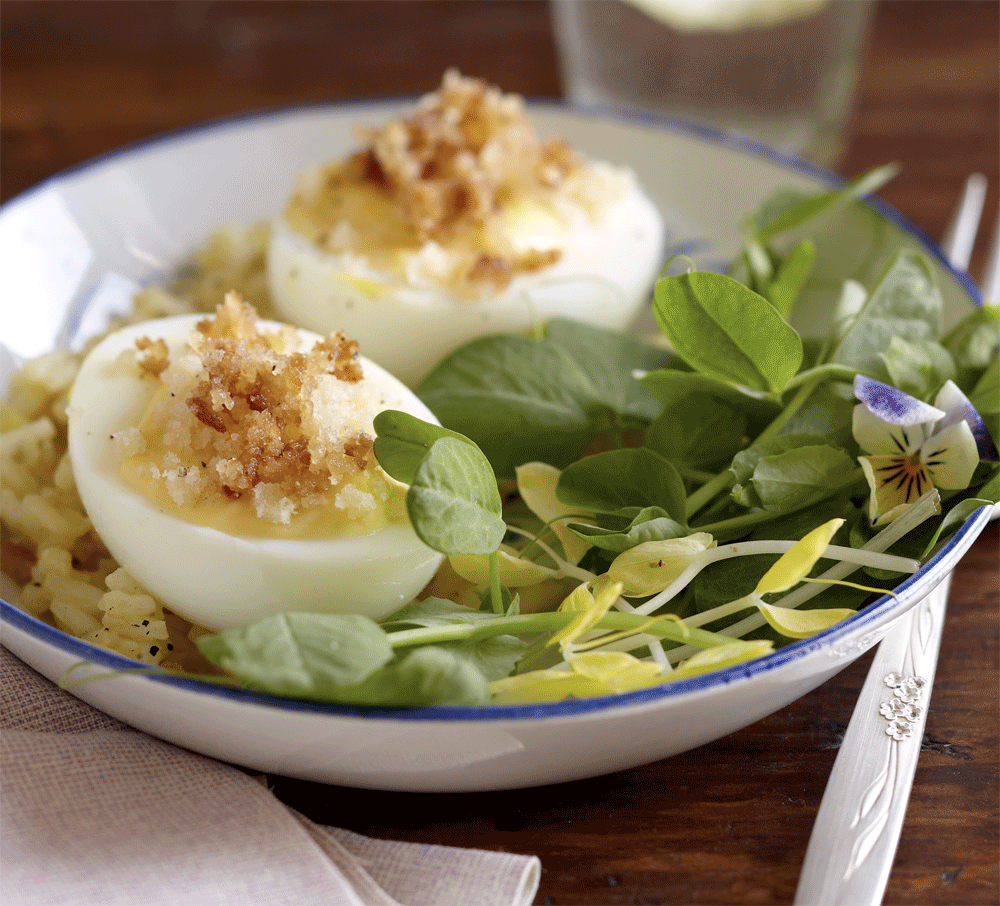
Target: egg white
603, 277
207, 576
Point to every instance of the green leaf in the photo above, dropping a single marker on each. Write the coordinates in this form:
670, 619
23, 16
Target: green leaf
745, 462
453, 501
403, 441
985, 397
684, 390
791, 277
434, 612
700, 435
789, 209
906, 303
606, 482
518, 400
307, 655
918, 368
430, 675
800, 477
494, 657
650, 524
973, 341
953, 519
726, 331
609, 359
827, 415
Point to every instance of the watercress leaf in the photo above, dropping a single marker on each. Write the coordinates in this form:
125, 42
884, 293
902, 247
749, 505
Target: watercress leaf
905, 303
827, 415
308, 655
429, 675
800, 477
973, 341
679, 390
989, 490
433, 612
650, 524
729, 580
760, 267
707, 433
777, 204
453, 502
494, 656
518, 399
850, 301
918, 368
610, 360
953, 519
746, 461
606, 482
798, 523
403, 440
790, 208
725, 330
985, 398
791, 277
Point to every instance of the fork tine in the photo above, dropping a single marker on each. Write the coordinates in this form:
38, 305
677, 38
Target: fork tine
960, 237
991, 273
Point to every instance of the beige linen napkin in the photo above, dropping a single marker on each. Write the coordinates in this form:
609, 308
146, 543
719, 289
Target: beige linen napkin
93, 812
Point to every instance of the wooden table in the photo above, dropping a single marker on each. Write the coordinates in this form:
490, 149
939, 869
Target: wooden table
727, 823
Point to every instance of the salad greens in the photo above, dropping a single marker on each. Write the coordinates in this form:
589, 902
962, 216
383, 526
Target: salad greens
619, 513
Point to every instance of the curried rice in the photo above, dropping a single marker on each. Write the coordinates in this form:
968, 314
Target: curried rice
49, 547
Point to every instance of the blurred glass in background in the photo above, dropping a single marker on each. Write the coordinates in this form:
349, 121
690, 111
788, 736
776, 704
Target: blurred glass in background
780, 71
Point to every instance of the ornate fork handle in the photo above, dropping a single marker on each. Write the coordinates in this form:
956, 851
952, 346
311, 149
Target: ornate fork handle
854, 839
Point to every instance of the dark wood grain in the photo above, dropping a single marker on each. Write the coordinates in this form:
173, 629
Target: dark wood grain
729, 822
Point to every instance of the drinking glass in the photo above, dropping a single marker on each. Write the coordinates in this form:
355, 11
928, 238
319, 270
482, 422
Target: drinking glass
780, 71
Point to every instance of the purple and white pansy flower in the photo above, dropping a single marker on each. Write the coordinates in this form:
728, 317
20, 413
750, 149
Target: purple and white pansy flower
913, 446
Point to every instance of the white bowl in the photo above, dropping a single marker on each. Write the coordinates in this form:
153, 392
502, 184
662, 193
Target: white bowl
74, 248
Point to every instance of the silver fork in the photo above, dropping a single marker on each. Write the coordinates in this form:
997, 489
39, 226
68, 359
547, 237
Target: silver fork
857, 828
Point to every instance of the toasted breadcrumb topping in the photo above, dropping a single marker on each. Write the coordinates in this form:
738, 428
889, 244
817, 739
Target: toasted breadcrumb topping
243, 414
438, 180
466, 151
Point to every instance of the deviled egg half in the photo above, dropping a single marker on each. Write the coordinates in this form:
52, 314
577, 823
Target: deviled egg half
456, 221
227, 465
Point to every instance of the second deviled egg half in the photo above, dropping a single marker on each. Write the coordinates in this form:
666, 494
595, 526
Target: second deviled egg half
227, 465
455, 221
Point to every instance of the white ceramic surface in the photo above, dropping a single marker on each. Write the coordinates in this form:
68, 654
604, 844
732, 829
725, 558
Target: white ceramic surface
73, 249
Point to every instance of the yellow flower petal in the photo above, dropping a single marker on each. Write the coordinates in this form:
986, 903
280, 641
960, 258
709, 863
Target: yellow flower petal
595, 673
541, 686
536, 483
514, 571
590, 606
800, 624
615, 670
794, 565
719, 657
951, 456
650, 567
